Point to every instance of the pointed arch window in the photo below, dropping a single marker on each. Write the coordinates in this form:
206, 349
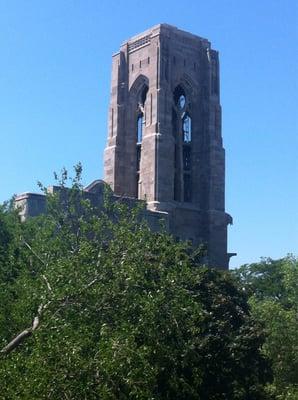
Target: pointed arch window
140, 123
182, 129
141, 113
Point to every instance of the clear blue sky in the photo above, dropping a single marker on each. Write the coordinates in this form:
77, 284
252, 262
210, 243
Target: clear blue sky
54, 93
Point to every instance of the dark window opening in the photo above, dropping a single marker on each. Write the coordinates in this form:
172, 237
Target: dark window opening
144, 95
186, 158
179, 95
187, 187
137, 185
138, 157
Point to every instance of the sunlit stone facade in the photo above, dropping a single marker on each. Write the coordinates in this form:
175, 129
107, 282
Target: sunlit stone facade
164, 138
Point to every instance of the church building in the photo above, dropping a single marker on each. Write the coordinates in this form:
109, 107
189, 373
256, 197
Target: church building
164, 137
164, 142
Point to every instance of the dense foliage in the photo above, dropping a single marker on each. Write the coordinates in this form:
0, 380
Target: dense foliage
273, 289
95, 306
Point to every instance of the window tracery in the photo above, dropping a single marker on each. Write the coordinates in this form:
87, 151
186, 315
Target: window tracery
140, 123
186, 128
182, 129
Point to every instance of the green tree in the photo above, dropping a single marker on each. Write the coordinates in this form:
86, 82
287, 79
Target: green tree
114, 311
273, 289
10, 266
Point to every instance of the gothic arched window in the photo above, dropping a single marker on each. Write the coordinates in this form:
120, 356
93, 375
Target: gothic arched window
141, 113
140, 123
182, 129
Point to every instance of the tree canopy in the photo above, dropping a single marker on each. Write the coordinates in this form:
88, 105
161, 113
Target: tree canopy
94, 305
273, 289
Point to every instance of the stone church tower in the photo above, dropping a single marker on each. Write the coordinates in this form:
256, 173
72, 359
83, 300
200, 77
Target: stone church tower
164, 138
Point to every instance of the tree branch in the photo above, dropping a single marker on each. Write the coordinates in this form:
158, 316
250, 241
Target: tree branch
32, 251
47, 282
16, 341
26, 332
42, 261
36, 321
